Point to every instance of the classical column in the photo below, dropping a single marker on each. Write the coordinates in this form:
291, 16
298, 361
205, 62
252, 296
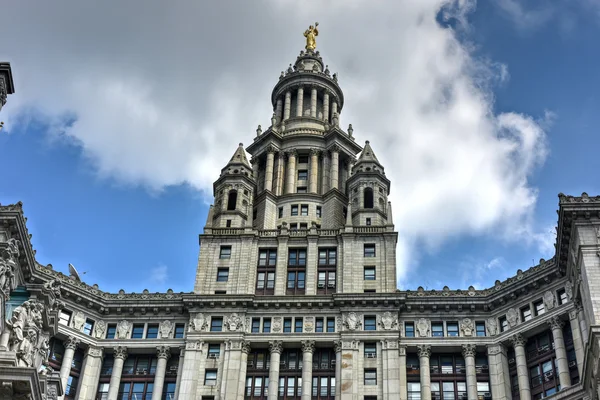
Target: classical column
287, 105
65, 368
314, 171
577, 339
424, 351
299, 101
269, 170
90, 374
402, 366
279, 174
582, 323
313, 102
337, 347
556, 324
279, 109
325, 180
255, 167
243, 369
468, 351
163, 353
499, 375
308, 347
275, 347
518, 342
334, 107
291, 172
120, 355
326, 106
335, 167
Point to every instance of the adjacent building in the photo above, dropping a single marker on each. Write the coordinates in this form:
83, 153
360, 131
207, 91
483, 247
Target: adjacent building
295, 295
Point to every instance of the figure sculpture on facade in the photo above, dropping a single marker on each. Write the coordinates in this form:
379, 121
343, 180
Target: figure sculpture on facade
99, 329
549, 300
351, 321
8, 267
198, 323
26, 337
310, 34
123, 328
165, 329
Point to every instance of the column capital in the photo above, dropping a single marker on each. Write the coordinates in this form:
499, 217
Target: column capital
517, 340
334, 148
308, 346
469, 350
276, 346
120, 352
401, 349
337, 346
424, 350
271, 149
578, 305
315, 152
71, 343
281, 154
163, 352
292, 153
494, 349
254, 160
246, 347
556, 323
94, 351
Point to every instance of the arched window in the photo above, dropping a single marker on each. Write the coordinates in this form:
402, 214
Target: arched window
368, 198
232, 200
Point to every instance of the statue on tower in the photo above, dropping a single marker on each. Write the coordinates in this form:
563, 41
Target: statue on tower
310, 34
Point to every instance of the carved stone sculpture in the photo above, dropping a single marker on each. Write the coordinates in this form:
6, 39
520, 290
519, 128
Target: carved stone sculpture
309, 324
165, 329
423, 327
123, 329
467, 326
549, 300
512, 316
492, 327
276, 327
569, 290
198, 323
78, 320
352, 321
26, 336
100, 329
8, 267
234, 322
388, 321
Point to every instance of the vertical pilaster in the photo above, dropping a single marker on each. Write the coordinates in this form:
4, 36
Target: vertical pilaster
556, 324
287, 105
243, 369
163, 353
334, 109
269, 169
279, 174
402, 372
468, 351
255, 166
189, 371
314, 171
337, 347
335, 160
326, 106
518, 342
424, 352
577, 339
583, 328
325, 179
179, 371
90, 374
291, 172
65, 368
391, 372
120, 354
275, 347
308, 347
349, 370
279, 110
313, 102
231, 375
499, 376
299, 101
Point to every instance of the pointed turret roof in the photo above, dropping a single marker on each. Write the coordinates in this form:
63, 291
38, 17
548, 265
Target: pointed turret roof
368, 155
239, 157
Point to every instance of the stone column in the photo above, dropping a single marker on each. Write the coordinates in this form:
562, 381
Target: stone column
308, 347
299, 101
255, 167
269, 170
313, 102
279, 109
402, 366
335, 159
287, 106
468, 351
518, 342
279, 174
65, 368
326, 106
275, 347
188, 384
120, 355
325, 173
334, 107
582, 323
243, 369
337, 347
564, 378
179, 370
314, 171
577, 339
499, 375
391, 369
424, 351
90, 374
291, 172
163, 353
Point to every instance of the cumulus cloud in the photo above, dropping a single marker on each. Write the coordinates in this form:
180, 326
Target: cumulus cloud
163, 92
159, 275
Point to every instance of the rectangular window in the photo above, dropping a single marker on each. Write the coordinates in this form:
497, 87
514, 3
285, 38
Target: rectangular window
296, 275
216, 324
369, 273
437, 329
302, 189
294, 212
225, 252
503, 323
298, 323
318, 211
214, 350
210, 377
370, 323
319, 325
179, 331
370, 350
255, 325
138, 331
222, 274
369, 250
452, 329
287, 325
370, 377
562, 296
480, 328
265, 277
409, 329
526, 313
88, 326
304, 210
111, 331
370, 290
302, 159
280, 212
331, 324
302, 174
294, 227
414, 390
64, 318
539, 308
228, 223
368, 222
266, 325
152, 332
220, 291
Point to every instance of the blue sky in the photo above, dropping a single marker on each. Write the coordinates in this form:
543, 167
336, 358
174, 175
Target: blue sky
113, 139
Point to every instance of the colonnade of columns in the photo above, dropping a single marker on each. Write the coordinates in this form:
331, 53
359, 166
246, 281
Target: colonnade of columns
283, 105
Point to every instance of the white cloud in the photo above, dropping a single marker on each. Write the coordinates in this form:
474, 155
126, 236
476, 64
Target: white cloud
159, 275
164, 92
524, 18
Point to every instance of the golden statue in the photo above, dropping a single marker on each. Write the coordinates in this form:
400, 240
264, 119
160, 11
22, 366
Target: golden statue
310, 34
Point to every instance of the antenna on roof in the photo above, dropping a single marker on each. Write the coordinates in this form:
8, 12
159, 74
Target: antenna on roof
74, 272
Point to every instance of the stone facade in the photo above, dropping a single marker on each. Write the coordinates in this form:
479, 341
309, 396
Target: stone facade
295, 295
